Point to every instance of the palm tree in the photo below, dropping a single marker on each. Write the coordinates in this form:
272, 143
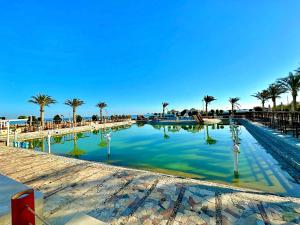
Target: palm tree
263, 96
74, 103
166, 136
101, 106
275, 90
292, 84
76, 152
164, 105
103, 142
208, 99
209, 140
234, 103
42, 100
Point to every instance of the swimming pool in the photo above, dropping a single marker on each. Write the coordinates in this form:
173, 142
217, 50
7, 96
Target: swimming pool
194, 151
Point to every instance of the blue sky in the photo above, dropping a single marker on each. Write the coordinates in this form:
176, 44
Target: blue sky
135, 54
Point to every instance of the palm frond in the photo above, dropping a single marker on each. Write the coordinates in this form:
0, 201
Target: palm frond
101, 105
209, 98
75, 102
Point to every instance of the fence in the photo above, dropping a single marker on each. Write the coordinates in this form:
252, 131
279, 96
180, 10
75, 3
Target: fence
285, 122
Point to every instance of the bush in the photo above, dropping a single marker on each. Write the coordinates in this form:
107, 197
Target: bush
57, 119
257, 109
95, 118
22, 117
34, 120
79, 118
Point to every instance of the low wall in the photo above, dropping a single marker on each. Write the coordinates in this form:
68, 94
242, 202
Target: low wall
285, 146
93, 126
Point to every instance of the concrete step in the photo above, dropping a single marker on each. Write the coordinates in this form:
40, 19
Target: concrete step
83, 219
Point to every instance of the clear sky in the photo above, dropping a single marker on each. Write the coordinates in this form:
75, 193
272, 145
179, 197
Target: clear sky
135, 54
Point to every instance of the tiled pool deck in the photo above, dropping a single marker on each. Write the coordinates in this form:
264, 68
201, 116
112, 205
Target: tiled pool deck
124, 196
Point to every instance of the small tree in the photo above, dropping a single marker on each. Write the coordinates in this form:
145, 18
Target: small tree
57, 119
79, 118
22, 117
257, 109
34, 120
95, 118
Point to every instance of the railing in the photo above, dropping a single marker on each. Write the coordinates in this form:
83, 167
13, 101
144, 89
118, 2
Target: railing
52, 125
283, 121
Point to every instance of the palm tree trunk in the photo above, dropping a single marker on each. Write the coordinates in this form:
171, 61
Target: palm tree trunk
42, 116
101, 115
263, 105
163, 114
74, 117
232, 107
294, 103
274, 104
206, 108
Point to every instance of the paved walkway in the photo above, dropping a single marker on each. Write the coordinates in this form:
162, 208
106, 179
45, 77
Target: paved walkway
123, 196
44, 133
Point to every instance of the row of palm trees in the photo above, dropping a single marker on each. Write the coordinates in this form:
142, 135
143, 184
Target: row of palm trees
233, 102
290, 84
45, 100
208, 99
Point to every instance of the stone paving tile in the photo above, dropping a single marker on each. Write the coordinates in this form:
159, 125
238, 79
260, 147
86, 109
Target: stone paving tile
54, 202
240, 210
197, 207
125, 202
158, 207
93, 198
283, 212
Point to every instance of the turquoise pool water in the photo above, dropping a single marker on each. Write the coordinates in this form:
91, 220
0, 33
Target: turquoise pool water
201, 152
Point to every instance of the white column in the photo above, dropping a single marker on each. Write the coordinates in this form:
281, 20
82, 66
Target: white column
15, 135
7, 137
236, 150
108, 138
49, 143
